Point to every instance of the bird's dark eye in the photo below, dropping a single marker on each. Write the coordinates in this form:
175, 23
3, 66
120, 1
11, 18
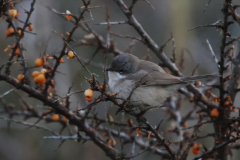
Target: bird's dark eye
120, 70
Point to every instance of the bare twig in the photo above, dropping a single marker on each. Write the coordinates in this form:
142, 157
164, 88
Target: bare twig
112, 23
215, 148
213, 54
206, 5
96, 138
210, 25
30, 125
7, 92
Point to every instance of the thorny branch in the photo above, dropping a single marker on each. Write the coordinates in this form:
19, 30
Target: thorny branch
96, 138
149, 138
156, 49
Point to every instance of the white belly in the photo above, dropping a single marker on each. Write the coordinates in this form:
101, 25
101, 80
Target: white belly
119, 85
142, 96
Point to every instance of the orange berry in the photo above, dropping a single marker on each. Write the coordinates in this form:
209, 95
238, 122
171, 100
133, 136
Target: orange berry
10, 32
214, 112
110, 118
55, 117
102, 86
233, 136
195, 151
68, 16
40, 79
39, 62
196, 148
130, 121
191, 99
18, 52
61, 60
184, 125
226, 103
13, 12
35, 74
64, 119
20, 32
20, 77
71, 54
139, 132
149, 135
89, 99
112, 142
30, 27
88, 93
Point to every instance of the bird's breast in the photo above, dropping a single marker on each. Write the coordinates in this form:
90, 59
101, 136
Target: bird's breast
118, 84
114, 79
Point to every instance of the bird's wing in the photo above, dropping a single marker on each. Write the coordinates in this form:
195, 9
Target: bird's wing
149, 66
154, 78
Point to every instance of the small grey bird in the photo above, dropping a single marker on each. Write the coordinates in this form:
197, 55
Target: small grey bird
152, 84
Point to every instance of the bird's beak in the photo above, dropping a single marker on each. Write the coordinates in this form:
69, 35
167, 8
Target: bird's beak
111, 69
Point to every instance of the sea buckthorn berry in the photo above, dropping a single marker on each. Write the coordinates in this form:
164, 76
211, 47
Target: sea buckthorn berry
55, 117
38, 62
70, 54
10, 32
30, 27
20, 32
196, 148
68, 16
40, 79
112, 142
61, 60
89, 99
139, 132
184, 125
102, 86
20, 77
149, 135
64, 119
214, 112
18, 52
35, 74
88, 93
13, 12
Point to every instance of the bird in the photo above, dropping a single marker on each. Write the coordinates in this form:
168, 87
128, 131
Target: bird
143, 84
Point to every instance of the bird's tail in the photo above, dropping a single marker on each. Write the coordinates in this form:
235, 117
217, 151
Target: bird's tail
193, 78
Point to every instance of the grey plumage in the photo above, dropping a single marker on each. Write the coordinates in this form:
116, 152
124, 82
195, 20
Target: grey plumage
154, 84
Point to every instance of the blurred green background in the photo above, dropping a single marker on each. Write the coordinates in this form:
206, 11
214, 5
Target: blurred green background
169, 16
